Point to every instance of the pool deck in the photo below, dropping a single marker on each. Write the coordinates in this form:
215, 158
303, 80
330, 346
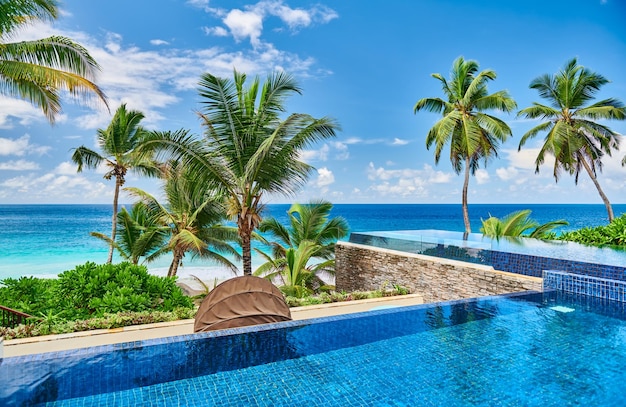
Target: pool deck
54, 343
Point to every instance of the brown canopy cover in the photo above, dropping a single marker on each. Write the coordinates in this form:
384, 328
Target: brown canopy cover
241, 301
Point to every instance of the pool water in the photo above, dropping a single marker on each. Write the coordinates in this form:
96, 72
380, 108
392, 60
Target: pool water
549, 349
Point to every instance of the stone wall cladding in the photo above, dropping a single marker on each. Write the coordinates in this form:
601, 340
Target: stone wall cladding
361, 267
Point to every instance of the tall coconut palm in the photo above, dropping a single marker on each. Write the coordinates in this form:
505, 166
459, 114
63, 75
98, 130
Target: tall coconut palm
472, 134
248, 149
118, 143
573, 136
39, 70
519, 224
192, 218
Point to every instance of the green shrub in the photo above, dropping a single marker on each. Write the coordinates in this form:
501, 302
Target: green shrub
613, 234
327, 297
91, 290
105, 322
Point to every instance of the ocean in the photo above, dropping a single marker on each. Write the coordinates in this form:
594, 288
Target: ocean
45, 240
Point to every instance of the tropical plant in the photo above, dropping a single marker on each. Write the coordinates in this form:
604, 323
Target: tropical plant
299, 277
613, 234
138, 234
574, 137
118, 143
307, 222
39, 70
519, 224
192, 218
248, 150
472, 134
305, 250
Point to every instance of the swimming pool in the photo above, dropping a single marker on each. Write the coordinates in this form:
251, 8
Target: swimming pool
516, 255
537, 349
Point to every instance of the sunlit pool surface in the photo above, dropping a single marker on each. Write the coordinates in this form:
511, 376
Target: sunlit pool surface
541, 349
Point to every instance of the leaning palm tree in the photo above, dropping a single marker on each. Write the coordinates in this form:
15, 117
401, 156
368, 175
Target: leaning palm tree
248, 149
574, 137
519, 224
192, 218
118, 143
39, 70
472, 134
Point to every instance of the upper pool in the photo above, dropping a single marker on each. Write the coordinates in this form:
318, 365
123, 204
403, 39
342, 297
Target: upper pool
518, 255
538, 349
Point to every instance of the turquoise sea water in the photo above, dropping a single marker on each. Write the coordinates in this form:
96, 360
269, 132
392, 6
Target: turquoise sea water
44, 240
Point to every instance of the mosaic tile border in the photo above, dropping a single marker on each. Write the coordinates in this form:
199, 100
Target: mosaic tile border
608, 289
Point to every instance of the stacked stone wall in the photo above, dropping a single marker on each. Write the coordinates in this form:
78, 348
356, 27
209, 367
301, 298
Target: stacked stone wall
361, 267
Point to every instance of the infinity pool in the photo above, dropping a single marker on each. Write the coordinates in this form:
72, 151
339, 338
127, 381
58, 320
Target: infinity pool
538, 349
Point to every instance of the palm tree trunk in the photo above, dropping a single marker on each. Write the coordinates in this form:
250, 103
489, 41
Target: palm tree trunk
593, 177
246, 253
118, 184
466, 219
175, 262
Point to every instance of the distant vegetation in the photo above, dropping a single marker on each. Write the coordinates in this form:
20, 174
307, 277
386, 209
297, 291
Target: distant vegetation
613, 234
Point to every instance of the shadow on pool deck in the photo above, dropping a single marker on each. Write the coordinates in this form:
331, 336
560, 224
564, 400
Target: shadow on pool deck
54, 343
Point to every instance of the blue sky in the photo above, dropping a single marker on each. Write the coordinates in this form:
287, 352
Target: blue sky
365, 63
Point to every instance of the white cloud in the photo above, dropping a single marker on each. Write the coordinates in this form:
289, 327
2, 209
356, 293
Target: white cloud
507, 173
525, 159
405, 182
16, 108
338, 149
151, 80
482, 176
159, 42
324, 178
248, 23
216, 31
60, 185
342, 150
198, 3
20, 147
66, 168
320, 154
245, 24
353, 140
19, 165
399, 142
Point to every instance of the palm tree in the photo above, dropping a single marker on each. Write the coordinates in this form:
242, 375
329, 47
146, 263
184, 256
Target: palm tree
311, 236
192, 218
40, 70
472, 134
574, 137
307, 222
248, 151
298, 276
139, 235
517, 223
118, 143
